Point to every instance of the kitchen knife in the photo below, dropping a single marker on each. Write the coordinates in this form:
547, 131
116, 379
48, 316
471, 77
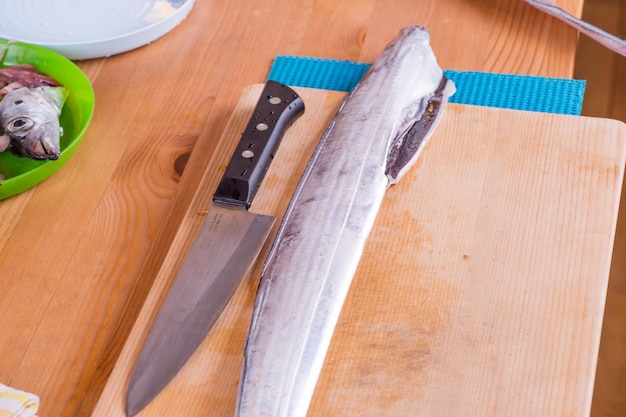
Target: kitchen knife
224, 251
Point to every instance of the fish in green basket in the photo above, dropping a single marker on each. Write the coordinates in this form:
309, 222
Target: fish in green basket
30, 107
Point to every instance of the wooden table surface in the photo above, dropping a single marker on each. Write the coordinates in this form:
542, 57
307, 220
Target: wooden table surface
79, 252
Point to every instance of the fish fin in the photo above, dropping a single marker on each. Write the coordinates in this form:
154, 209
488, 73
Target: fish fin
56, 94
407, 148
5, 141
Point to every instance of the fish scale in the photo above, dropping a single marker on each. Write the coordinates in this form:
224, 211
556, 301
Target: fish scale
376, 135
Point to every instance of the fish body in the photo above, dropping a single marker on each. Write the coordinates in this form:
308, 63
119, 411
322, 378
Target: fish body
376, 135
29, 117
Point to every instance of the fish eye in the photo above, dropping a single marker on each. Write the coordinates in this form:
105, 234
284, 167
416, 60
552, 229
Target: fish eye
19, 123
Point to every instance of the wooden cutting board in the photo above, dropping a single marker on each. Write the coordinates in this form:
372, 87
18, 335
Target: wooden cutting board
481, 289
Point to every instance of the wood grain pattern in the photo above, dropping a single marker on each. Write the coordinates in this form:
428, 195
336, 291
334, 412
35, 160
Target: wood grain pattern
605, 73
481, 289
80, 252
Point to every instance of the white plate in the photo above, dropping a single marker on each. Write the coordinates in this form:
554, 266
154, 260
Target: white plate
83, 29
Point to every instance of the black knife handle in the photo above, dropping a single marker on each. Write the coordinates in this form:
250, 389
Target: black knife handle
278, 107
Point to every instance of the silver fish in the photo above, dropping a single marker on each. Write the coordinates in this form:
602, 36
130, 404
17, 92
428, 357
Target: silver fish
377, 134
29, 117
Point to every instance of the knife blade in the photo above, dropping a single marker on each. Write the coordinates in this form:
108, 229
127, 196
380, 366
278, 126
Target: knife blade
222, 254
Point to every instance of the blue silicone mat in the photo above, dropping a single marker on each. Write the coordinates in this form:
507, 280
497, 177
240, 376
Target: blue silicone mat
518, 92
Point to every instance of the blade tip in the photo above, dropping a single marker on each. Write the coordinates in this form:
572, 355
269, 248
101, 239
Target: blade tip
131, 409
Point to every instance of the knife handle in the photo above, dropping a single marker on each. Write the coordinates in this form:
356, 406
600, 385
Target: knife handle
278, 107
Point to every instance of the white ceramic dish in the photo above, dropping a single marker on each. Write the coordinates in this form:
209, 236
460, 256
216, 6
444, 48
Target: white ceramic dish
84, 29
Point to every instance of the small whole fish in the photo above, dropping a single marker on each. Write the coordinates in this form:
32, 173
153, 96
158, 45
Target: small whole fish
30, 107
29, 117
376, 136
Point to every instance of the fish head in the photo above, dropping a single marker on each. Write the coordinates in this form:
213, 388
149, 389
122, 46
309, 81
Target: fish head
33, 139
30, 118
